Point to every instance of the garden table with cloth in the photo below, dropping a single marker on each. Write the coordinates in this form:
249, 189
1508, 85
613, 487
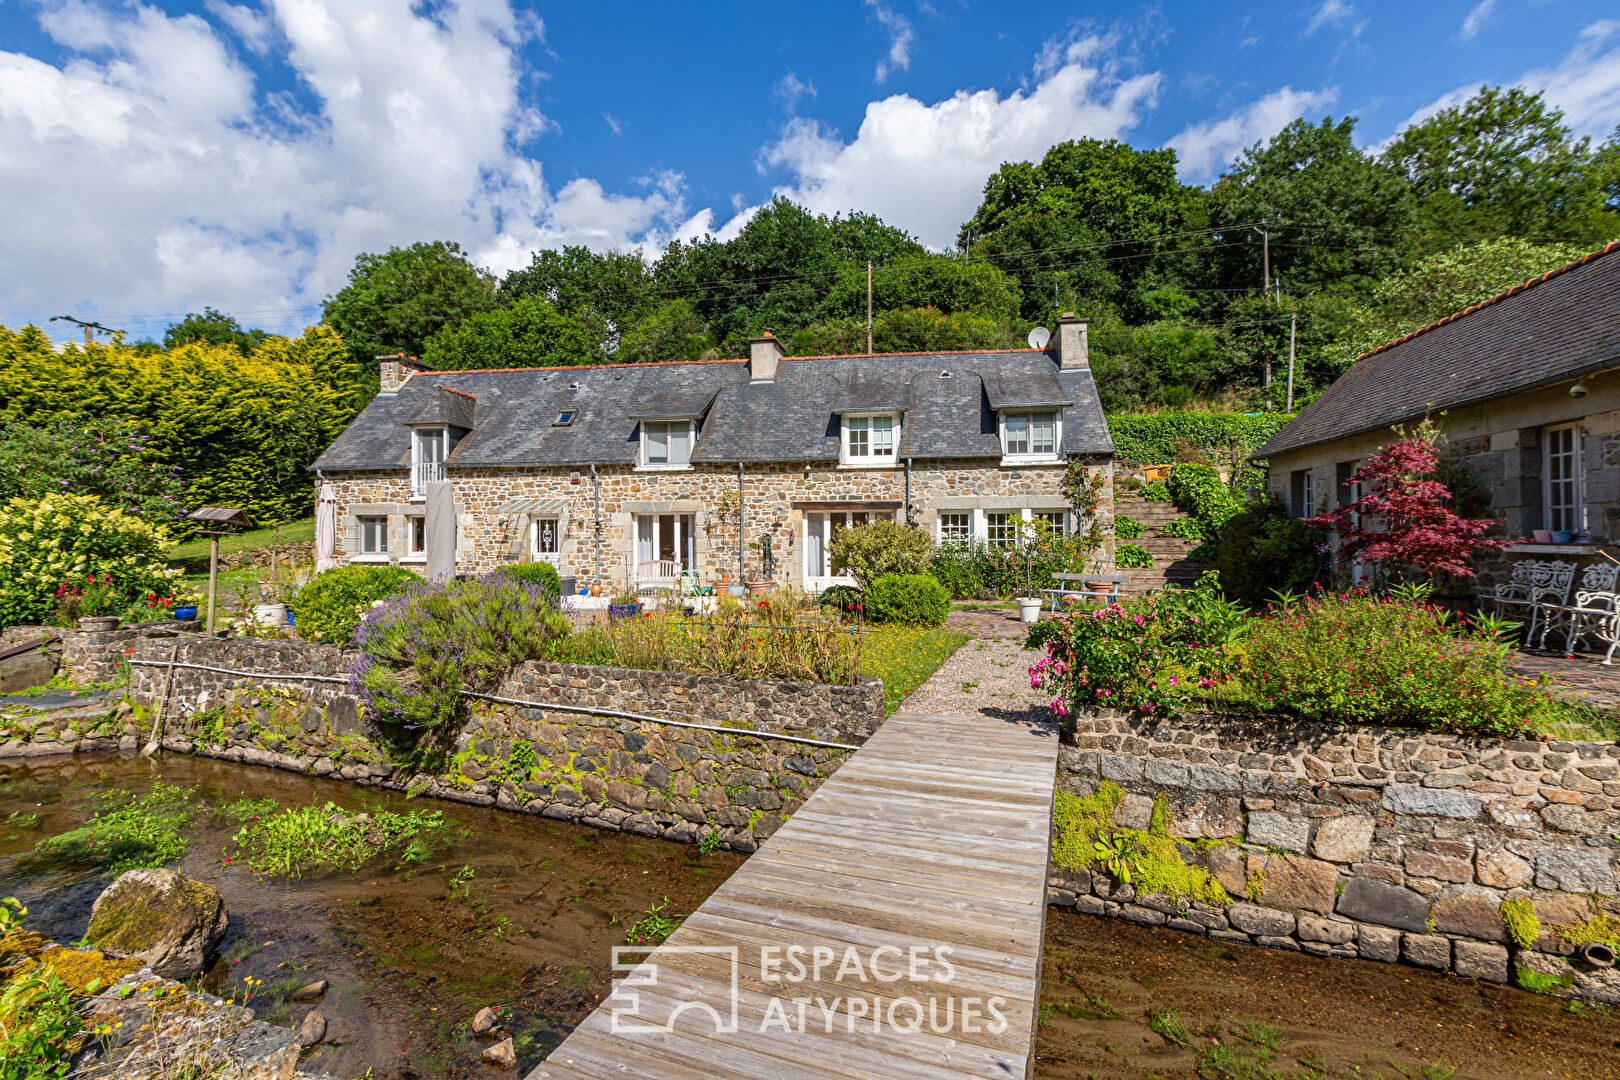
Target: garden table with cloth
1111, 596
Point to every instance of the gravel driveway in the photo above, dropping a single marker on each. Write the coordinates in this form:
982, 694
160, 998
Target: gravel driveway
990, 676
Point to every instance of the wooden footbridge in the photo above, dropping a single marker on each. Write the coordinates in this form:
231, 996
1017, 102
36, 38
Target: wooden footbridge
891, 930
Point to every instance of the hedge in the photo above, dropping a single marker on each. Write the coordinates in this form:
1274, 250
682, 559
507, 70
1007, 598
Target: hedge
331, 606
241, 429
1150, 438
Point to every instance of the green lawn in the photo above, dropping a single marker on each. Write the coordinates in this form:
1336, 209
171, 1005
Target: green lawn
904, 656
293, 532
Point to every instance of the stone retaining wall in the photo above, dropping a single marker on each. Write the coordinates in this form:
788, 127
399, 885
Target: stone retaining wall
1379, 844
646, 777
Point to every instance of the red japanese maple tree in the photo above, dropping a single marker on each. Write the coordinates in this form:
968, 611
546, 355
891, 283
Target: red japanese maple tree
1405, 519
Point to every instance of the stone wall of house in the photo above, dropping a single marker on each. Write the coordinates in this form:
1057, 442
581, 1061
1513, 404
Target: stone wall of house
1501, 443
642, 776
775, 499
1378, 844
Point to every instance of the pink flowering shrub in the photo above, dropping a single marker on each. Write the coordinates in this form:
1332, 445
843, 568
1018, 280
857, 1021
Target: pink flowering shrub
1358, 659
1151, 656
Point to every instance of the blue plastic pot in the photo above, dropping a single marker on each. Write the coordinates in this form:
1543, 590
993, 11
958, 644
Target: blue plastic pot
186, 613
1563, 536
619, 612
290, 620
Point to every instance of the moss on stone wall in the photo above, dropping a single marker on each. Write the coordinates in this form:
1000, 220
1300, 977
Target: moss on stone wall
1084, 837
1519, 916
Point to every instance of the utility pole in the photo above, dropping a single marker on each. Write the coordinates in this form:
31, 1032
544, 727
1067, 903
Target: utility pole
1265, 256
1293, 321
869, 307
89, 327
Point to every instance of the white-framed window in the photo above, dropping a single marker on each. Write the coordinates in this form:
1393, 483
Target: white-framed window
1001, 528
1057, 521
1561, 477
429, 449
819, 532
373, 535
666, 444
1310, 493
871, 439
956, 527
1031, 435
545, 539
415, 537
667, 536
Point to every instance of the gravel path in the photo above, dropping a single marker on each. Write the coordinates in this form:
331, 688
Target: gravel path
989, 676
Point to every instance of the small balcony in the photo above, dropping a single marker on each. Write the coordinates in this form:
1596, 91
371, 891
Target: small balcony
424, 473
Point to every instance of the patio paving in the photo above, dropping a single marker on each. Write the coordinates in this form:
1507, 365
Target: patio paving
1582, 677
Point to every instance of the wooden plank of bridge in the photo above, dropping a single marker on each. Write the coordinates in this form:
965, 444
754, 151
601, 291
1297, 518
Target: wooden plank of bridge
934, 835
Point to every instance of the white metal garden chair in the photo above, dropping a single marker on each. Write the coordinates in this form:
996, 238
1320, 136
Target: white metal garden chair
1535, 586
1594, 606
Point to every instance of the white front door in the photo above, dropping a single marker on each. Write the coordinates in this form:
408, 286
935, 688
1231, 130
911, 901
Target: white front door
819, 531
666, 536
545, 539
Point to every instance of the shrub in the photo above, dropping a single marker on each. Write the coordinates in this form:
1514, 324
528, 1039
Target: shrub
542, 574
330, 607
1262, 551
1199, 490
1155, 493
780, 637
1405, 518
1376, 660
89, 455
844, 599
73, 540
960, 567
421, 649
39, 1027
1132, 556
867, 552
1149, 655
910, 599
1126, 527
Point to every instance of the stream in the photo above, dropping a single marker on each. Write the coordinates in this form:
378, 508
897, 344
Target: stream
410, 956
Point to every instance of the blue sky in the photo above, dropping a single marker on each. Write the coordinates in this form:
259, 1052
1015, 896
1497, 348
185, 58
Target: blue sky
157, 157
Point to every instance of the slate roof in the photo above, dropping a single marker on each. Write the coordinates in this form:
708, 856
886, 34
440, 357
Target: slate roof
1551, 329
445, 405
794, 418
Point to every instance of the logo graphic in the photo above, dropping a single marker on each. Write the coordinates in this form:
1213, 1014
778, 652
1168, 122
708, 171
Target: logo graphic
641, 973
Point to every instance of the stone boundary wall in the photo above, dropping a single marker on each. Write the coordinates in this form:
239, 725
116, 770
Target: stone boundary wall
92, 656
644, 777
1379, 844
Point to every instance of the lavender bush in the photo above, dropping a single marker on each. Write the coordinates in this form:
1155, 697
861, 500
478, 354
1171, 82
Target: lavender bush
419, 650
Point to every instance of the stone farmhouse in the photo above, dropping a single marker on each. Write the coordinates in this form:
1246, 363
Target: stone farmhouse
1526, 388
732, 469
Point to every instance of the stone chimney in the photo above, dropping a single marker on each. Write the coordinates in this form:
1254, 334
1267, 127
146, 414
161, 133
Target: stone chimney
763, 355
394, 368
1073, 346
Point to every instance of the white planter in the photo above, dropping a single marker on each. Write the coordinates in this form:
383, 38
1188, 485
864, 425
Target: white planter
1029, 608
270, 614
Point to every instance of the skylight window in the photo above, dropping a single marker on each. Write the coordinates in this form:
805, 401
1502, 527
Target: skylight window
564, 418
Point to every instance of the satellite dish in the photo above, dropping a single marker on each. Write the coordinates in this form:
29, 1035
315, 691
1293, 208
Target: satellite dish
1038, 337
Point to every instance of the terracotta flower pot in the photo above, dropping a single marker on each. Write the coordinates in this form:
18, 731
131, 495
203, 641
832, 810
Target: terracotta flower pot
755, 588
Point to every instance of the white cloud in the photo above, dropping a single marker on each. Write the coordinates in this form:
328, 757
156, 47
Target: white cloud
1204, 149
790, 89
138, 184
613, 125
1585, 85
923, 167
900, 38
1335, 13
1475, 20
250, 24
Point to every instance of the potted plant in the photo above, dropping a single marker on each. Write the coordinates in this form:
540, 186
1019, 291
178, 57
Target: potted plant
625, 605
